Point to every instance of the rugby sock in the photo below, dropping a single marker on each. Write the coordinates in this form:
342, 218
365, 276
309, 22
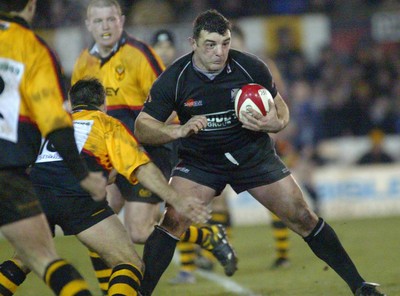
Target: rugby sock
195, 235
157, 255
11, 276
218, 217
65, 280
281, 236
324, 242
102, 271
187, 255
125, 280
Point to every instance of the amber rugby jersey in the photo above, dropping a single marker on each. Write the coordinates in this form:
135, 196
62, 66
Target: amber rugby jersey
102, 140
127, 75
31, 93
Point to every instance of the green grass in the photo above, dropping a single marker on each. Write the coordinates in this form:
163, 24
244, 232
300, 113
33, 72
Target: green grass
373, 244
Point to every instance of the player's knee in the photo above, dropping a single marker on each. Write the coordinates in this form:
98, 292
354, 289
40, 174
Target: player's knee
139, 235
306, 221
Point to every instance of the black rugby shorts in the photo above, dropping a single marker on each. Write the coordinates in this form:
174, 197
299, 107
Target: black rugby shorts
243, 169
73, 214
17, 196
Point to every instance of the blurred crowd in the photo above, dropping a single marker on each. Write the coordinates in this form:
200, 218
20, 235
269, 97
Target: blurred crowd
343, 93
54, 13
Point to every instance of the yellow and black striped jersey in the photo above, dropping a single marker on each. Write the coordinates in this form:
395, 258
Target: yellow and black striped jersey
103, 141
31, 93
127, 75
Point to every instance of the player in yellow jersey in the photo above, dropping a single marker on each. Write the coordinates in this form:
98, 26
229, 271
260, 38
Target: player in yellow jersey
31, 97
105, 144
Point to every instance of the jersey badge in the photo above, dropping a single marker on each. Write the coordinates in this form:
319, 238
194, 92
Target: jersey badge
144, 193
120, 72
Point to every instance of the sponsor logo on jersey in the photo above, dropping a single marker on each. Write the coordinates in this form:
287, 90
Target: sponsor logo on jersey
221, 120
120, 72
111, 91
193, 103
144, 193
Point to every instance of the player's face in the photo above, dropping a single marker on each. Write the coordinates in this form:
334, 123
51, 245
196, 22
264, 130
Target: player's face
166, 51
211, 50
106, 26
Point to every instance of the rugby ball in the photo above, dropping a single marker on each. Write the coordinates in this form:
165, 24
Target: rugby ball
252, 95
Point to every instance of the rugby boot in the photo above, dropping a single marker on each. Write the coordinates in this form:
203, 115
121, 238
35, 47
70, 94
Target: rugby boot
368, 289
219, 246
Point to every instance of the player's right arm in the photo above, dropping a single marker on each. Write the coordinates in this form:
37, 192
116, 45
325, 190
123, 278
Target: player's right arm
151, 131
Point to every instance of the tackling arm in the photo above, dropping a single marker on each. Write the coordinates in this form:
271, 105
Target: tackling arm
151, 131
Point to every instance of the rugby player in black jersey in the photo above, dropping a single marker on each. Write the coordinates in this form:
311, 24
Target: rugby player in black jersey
217, 149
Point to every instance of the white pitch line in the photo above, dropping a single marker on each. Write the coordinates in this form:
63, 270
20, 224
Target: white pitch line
227, 284
223, 281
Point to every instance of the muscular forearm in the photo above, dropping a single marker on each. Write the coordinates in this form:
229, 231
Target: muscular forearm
152, 132
153, 179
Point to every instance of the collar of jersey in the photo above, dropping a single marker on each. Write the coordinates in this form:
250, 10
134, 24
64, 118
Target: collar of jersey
94, 50
82, 107
15, 19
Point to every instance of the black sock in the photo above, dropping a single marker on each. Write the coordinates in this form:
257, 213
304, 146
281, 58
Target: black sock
324, 242
157, 255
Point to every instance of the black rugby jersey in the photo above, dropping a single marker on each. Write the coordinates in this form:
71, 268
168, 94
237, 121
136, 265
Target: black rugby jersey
189, 92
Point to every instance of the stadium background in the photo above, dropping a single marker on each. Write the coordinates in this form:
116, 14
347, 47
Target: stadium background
340, 60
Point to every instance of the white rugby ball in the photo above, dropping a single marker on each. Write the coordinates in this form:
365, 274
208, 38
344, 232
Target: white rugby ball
252, 95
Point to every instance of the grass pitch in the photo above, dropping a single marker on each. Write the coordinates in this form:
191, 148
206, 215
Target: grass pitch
373, 244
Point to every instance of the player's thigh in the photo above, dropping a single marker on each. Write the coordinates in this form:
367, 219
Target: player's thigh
172, 220
285, 199
115, 247
32, 241
114, 198
220, 203
140, 214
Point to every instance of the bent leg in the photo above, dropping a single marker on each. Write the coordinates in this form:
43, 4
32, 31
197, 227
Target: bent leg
286, 200
32, 240
140, 219
110, 240
160, 246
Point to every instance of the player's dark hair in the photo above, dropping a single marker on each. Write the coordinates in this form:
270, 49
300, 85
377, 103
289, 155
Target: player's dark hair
12, 5
211, 21
87, 92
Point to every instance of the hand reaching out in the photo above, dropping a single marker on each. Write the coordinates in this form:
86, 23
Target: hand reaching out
193, 126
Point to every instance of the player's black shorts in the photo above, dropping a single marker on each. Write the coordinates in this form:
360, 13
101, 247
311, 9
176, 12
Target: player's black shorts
162, 157
73, 214
17, 196
245, 168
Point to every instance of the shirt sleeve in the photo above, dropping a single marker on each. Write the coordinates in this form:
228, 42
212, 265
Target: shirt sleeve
161, 101
125, 152
263, 76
